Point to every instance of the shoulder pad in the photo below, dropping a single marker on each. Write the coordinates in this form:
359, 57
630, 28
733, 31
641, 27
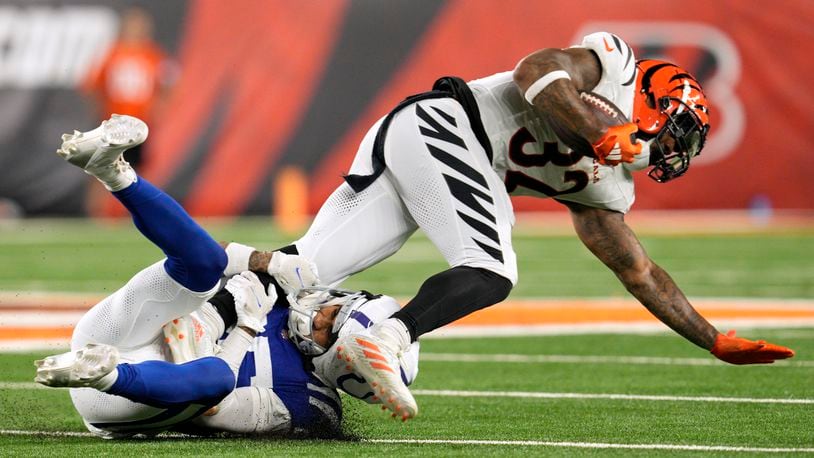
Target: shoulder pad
615, 56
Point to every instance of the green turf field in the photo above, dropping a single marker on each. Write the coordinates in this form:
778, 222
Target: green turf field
493, 403
81, 256
606, 395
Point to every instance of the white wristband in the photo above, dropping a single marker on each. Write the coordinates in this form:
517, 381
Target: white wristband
238, 258
537, 87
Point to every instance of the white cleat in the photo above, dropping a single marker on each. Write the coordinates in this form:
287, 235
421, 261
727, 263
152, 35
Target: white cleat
99, 151
370, 357
78, 368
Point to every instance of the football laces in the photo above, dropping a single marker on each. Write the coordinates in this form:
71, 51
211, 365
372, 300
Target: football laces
599, 103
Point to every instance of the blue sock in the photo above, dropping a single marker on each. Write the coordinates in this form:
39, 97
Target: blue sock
194, 259
162, 384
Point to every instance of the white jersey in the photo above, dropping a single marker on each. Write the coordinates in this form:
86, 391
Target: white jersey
530, 158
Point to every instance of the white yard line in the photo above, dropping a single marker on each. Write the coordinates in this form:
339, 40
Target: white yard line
525, 443
575, 359
598, 445
539, 395
20, 386
610, 396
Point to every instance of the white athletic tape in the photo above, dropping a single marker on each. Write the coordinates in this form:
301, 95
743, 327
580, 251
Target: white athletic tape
537, 87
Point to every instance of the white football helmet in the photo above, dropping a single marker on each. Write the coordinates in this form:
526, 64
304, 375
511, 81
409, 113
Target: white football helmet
307, 302
359, 311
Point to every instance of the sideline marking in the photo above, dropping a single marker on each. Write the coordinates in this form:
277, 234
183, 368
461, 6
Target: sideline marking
530, 443
589, 359
611, 396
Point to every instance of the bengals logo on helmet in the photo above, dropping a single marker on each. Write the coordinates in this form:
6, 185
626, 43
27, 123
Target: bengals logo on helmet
671, 109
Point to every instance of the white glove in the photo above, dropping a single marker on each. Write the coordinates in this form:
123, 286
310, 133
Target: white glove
252, 301
292, 271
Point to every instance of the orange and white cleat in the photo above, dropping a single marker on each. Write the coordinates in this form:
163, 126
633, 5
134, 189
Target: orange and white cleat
372, 358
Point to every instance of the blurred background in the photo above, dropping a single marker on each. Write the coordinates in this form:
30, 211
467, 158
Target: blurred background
246, 99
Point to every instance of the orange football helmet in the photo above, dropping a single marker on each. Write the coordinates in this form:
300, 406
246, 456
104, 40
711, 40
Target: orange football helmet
671, 109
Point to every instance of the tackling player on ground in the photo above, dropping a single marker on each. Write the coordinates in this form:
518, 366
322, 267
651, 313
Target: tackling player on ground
445, 161
143, 377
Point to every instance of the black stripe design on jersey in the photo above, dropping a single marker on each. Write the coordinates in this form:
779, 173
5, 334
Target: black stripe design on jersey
439, 132
491, 251
629, 55
632, 78
483, 228
466, 195
618, 43
449, 118
458, 165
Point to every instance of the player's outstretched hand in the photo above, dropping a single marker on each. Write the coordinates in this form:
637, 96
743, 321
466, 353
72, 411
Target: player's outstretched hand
252, 301
735, 350
292, 271
618, 145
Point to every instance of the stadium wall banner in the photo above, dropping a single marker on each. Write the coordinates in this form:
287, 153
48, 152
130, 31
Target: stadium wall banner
275, 84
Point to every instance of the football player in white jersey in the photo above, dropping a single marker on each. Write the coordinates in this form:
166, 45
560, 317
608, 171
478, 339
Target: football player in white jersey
446, 161
131, 374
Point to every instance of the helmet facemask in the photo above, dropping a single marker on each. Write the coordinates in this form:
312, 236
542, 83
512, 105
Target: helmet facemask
307, 303
672, 112
688, 135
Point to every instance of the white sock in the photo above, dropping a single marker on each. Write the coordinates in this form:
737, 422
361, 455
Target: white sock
104, 383
393, 331
116, 176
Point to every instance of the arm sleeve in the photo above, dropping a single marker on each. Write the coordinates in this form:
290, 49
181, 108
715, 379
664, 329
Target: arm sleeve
249, 410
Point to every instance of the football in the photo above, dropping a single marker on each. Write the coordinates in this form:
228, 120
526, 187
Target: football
609, 113
606, 112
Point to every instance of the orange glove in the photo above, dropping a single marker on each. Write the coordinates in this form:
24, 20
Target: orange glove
735, 350
618, 145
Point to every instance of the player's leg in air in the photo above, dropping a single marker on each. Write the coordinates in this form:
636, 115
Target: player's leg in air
438, 178
135, 390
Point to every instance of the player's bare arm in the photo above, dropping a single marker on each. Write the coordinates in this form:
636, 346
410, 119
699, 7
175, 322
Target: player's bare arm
608, 237
611, 240
551, 79
560, 100
291, 271
259, 260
